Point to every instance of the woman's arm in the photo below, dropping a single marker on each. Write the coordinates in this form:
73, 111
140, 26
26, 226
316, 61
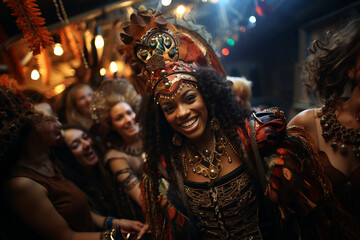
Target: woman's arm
127, 226
125, 175
30, 201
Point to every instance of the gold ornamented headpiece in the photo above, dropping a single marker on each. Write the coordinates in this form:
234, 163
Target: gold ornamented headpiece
154, 48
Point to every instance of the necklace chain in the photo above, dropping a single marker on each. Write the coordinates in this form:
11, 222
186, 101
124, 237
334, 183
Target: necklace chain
207, 163
333, 129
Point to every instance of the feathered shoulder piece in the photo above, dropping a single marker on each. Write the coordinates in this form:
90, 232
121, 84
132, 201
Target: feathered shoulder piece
293, 178
265, 129
302, 193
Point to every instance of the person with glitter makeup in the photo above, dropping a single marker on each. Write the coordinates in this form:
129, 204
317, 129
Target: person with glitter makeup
209, 162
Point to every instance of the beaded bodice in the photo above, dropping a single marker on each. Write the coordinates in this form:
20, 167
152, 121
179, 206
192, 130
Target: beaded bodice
225, 208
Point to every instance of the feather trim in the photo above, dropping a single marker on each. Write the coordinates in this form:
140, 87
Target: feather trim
32, 25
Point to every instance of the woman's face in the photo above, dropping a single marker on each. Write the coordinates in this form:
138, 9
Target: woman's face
82, 100
48, 128
186, 112
123, 120
81, 146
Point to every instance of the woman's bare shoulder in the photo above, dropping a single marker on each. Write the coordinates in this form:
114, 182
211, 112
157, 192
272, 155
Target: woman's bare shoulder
303, 119
23, 185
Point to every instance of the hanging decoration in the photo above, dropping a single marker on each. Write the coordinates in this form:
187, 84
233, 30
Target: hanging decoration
44, 63
72, 34
62, 16
32, 25
11, 59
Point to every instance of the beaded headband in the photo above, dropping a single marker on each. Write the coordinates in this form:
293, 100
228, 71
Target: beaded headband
171, 78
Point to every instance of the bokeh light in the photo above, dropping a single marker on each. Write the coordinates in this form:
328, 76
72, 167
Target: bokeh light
165, 2
225, 51
230, 42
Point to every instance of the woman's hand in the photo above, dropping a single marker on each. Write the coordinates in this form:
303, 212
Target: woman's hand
131, 226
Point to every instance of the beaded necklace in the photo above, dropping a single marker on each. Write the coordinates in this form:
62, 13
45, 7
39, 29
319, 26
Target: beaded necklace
343, 137
208, 162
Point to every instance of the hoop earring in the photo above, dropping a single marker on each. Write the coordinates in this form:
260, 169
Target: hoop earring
214, 124
177, 140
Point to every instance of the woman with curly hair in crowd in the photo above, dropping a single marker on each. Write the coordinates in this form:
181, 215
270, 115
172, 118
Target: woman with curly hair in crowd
334, 75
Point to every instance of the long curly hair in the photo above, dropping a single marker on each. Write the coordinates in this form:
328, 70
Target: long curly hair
331, 61
157, 133
16, 122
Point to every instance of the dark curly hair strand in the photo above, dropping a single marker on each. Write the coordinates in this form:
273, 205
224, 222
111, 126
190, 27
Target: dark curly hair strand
331, 61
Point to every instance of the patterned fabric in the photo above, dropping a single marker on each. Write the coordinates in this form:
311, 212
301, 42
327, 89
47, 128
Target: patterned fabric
294, 182
225, 208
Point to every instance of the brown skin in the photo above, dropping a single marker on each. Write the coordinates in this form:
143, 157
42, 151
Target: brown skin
30, 200
123, 122
187, 114
346, 116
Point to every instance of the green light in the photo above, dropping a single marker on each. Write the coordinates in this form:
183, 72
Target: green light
230, 42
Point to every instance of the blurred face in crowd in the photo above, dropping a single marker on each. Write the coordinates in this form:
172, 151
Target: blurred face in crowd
82, 146
82, 100
123, 122
48, 127
186, 112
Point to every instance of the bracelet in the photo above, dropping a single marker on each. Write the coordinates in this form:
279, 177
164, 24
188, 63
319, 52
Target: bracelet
107, 224
113, 234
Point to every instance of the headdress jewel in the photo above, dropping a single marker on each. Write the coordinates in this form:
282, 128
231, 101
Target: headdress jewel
159, 54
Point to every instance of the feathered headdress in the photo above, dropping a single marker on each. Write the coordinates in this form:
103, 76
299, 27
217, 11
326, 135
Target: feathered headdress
152, 45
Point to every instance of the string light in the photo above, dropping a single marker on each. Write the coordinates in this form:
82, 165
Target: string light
99, 41
166, 2
180, 10
35, 75
58, 50
113, 67
102, 72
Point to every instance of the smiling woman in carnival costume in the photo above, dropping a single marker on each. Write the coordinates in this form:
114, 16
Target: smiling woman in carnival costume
214, 171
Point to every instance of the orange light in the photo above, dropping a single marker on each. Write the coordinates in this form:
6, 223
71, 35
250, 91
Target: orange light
225, 51
59, 88
243, 29
259, 11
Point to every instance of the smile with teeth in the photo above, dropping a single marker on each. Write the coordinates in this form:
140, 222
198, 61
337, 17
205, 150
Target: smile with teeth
88, 154
189, 123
